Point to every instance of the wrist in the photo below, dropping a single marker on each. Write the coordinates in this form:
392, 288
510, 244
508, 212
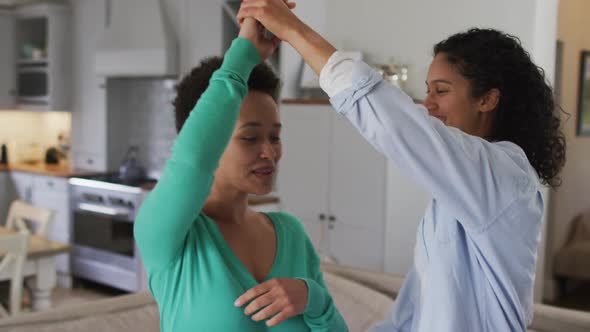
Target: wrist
297, 33
314, 49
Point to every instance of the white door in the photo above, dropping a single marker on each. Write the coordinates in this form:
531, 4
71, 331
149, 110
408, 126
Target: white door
302, 182
356, 246
7, 61
357, 198
406, 203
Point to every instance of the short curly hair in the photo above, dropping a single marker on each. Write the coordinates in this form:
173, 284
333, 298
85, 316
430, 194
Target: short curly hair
526, 113
191, 86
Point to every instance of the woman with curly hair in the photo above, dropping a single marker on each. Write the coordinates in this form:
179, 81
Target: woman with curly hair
483, 144
213, 263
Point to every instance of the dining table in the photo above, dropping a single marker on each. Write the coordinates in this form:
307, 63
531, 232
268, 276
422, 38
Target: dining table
39, 270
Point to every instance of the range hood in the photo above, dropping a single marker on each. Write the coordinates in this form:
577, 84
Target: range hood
138, 41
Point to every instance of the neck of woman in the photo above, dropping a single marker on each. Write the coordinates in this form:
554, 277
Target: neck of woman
226, 205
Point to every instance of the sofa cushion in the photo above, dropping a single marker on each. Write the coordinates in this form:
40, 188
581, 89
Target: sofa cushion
553, 319
361, 307
137, 312
384, 283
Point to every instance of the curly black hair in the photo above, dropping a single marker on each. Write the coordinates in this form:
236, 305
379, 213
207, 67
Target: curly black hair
191, 86
526, 113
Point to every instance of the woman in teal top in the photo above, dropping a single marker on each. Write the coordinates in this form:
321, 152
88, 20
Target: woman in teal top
213, 264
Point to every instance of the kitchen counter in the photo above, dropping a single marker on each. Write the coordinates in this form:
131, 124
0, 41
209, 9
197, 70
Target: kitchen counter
62, 170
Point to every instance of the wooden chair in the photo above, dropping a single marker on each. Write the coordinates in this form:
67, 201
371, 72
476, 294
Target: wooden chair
14, 250
32, 219
20, 213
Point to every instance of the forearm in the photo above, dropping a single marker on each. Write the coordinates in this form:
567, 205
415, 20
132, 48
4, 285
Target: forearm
321, 314
312, 47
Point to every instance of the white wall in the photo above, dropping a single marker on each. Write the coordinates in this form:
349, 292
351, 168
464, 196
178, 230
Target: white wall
200, 35
314, 14
543, 53
573, 196
407, 30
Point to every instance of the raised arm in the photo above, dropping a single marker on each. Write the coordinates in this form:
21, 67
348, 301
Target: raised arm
169, 210
475, 179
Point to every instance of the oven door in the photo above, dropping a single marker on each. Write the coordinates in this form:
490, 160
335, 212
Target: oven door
33, 85
104, 235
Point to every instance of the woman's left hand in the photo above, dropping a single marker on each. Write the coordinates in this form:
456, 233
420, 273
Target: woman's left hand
253, 31
280, 298
275, 15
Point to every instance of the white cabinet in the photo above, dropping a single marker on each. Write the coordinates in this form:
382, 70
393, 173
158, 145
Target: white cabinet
357, 197
7, 60
43, 49
89, 99
21, 186
46, 192
303, 178
332, 180
52, 193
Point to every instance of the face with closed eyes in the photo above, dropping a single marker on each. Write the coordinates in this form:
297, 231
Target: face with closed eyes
448, 98
249, 162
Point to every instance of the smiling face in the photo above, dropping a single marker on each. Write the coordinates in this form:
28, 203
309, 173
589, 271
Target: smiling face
449, 99
249, 163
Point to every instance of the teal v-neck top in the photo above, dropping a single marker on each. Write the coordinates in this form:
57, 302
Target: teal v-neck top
193, 274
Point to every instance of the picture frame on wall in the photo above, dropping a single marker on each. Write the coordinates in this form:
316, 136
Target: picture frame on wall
584, 95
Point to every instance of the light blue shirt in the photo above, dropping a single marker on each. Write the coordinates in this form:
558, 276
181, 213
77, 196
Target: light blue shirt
476, 247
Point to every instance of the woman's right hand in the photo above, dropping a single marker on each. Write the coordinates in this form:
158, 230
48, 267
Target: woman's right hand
253, 31
275, 15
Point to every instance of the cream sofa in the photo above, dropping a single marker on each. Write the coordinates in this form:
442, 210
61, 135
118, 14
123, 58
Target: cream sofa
362, 297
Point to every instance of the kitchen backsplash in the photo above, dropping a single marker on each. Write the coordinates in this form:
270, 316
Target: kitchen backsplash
29, 133
140, 113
